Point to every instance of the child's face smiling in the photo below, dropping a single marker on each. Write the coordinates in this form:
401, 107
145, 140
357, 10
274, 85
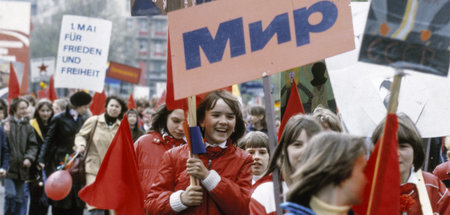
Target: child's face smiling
219, 123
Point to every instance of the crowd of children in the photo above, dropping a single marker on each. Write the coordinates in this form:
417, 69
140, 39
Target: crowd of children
321, 168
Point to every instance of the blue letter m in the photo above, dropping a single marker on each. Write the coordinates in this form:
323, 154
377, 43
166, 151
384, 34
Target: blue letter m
214, 47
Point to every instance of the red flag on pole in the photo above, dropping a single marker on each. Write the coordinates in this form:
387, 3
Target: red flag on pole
98, 103
117, 185
294, 106
170, 99
51, 90
382, 192
131, 104
13, 85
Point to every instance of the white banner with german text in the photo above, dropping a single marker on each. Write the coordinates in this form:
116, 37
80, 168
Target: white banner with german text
82, 53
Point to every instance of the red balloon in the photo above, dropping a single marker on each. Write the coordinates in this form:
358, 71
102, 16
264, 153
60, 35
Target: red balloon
58, 185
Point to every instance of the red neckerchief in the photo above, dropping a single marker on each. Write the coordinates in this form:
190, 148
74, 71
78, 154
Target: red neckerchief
407, 195
215, 152
172, 142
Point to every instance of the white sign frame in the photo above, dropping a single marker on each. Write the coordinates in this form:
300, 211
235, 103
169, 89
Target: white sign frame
83, 53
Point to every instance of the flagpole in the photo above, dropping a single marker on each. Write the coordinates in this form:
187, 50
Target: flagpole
392, 109
423, 194
192, 121
270, 118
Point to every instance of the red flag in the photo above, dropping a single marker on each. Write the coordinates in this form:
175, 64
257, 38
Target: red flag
117, 184
382, 192
170, 99
51, 90
13, 85
98, 103
131, 104
293, 107
42, 94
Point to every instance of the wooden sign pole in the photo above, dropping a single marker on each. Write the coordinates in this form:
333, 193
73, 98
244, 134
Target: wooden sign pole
270, 118
192, 121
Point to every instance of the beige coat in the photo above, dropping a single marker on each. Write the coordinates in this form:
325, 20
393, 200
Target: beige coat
102, 139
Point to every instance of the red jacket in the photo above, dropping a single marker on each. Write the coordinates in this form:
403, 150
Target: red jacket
262, 199
442, 171
437, 192
149, 150
230, 196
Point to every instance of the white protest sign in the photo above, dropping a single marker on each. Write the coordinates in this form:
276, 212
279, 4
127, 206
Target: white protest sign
42, 68
361, 90
82, 53
141, 92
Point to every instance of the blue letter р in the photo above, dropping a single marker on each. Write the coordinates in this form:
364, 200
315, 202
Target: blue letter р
329, 13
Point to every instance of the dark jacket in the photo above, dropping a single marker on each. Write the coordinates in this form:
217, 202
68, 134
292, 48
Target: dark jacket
40, 131
22, 145
4, 152
59, 140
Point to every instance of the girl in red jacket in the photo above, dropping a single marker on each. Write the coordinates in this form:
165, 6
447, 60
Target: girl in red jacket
166, 133
411, 158
224, 172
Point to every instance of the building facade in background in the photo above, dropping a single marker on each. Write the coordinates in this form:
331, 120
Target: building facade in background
136, 41
151, 36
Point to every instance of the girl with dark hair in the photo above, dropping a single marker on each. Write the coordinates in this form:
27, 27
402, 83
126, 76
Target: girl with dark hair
411, 158
41, 123
106, 126
330, 176
296, 135
23, 148
167, 132
224, 171
136, 132
257, 119
58, 143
